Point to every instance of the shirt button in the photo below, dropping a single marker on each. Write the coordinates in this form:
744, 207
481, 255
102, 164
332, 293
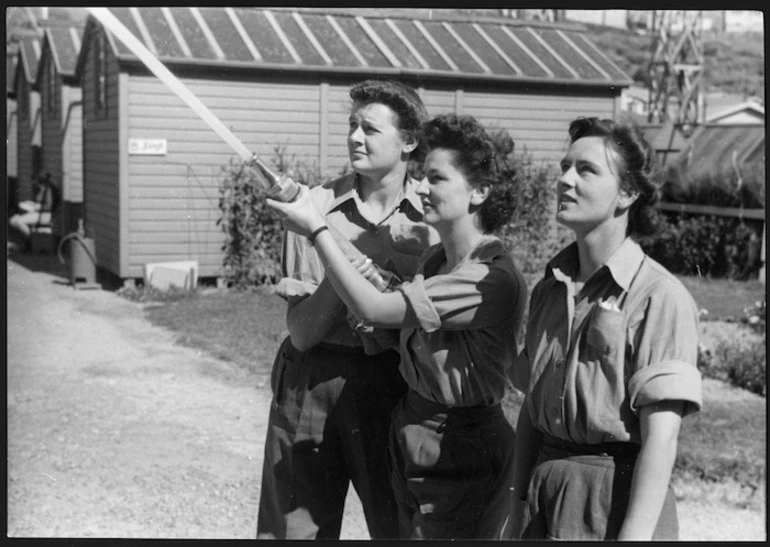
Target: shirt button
558, 363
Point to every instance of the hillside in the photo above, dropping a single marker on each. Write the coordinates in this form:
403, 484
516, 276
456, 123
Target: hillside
734, 63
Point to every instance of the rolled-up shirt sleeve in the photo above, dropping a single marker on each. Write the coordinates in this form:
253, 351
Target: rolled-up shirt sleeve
475, 296
667, 351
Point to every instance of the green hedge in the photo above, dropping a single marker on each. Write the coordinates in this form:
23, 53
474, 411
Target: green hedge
707, 245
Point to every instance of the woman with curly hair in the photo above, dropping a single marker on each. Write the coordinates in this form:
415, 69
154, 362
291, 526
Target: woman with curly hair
451, 446
609, 363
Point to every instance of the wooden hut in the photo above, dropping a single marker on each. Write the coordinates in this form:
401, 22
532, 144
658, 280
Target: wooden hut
27, 116
11, 121
279, 77
61, 121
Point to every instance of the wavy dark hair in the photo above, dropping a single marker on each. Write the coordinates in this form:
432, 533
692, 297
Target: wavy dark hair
401, 99
483, 158
637, 168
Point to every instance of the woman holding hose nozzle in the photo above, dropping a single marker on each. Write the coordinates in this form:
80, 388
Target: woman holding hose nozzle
332, 398
451, 446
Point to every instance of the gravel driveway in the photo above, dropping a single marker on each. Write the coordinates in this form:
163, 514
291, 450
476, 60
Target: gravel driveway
115, 431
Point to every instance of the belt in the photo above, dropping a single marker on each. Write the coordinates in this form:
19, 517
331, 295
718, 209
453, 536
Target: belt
427, 407
618, 450
355, 350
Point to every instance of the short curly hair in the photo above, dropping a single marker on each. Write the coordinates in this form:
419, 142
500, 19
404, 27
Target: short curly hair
638, 168
401, 99
483, 158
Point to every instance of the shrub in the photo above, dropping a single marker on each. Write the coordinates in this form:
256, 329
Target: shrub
711, 245
729, 188
253, 232
706, 246
756, 316
533, 237
740, 362
746, 367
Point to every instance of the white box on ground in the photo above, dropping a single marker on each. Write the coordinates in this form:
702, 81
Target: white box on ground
163, 275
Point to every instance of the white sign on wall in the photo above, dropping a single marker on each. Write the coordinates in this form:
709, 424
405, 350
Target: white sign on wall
147, 147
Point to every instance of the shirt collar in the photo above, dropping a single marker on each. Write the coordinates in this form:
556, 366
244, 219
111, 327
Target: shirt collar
344, 191
484, 252
347, 190
625, 262
622, 265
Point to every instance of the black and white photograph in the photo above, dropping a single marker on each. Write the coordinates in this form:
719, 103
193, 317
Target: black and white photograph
385, 273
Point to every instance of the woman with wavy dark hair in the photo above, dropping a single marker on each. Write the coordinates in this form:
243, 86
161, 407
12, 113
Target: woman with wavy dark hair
609, 363
451, 446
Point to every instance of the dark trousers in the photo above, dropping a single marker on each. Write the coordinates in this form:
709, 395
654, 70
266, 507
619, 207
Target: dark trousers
452, 470
328, 427
581, 493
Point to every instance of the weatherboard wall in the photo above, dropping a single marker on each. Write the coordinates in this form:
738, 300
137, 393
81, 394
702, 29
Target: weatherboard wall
173, 198
61, 136
101, 164
11, 139
28, 105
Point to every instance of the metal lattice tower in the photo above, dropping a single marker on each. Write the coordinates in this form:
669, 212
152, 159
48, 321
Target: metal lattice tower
676, 68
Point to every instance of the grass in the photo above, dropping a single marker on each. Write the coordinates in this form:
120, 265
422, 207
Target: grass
724, 299
724, 442
245, 328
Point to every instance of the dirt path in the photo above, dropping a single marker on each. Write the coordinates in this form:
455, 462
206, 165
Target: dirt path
115, 431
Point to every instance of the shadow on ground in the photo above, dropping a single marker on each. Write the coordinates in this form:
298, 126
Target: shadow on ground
51, 263
43, 263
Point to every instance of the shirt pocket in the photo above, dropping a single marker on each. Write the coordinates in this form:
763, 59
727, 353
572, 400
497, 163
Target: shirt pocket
606, 332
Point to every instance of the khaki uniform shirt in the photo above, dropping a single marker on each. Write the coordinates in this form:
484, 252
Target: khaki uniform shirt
468, 320
395, 244
591, 360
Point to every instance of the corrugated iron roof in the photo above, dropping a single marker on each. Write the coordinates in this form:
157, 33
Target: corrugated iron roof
713, 149
379, 42
29, 57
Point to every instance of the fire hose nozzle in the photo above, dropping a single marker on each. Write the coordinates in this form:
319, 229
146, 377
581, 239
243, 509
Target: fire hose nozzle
279, 187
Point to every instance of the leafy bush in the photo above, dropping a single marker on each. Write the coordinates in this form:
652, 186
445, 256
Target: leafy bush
726, 189
740, 362
756, 316
533, 237
746, 366
254, 232
706, 246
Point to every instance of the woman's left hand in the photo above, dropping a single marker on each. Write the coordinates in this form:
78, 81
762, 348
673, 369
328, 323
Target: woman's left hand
300, 215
